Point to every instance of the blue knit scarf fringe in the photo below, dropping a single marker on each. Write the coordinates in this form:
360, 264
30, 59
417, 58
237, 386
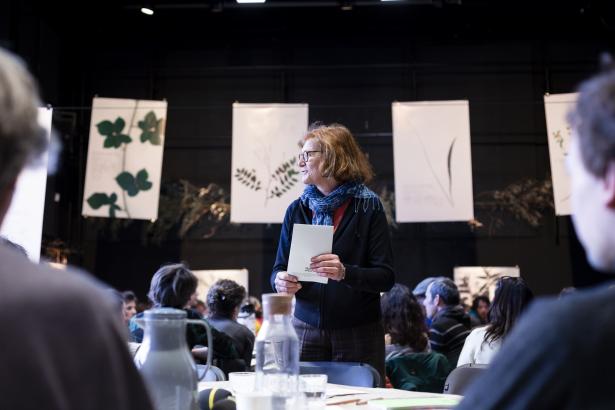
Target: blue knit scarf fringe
323, 207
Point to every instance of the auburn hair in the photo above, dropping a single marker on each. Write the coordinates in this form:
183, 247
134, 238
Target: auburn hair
342, 157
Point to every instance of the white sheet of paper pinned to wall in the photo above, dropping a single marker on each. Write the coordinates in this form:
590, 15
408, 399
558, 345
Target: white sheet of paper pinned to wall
308, 241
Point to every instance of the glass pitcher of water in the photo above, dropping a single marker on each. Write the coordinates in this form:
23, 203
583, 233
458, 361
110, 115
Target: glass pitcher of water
165, 362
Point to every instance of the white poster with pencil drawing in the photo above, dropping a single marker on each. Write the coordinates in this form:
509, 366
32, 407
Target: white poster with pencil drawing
124, 164
557, 107
23, 223
432, 161
265, 172
474, 281
207, 277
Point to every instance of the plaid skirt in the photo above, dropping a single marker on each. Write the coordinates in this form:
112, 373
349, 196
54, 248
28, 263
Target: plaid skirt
363, 344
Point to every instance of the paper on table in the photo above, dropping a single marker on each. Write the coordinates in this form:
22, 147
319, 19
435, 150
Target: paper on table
308, 241
417, 403
333, 391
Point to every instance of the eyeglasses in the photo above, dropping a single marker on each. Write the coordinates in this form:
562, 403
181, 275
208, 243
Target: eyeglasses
305, 155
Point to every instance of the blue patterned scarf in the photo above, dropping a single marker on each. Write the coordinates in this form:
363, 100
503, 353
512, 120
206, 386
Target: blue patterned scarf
323, 207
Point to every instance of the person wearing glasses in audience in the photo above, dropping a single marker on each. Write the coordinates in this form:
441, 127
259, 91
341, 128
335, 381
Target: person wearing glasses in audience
339, 320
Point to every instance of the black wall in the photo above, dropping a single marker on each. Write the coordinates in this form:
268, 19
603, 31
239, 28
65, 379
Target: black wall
349, 66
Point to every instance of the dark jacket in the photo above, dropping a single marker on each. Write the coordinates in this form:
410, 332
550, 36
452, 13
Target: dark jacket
448, 332
363, 245
241, 335
424, 372
559, 355
67, 349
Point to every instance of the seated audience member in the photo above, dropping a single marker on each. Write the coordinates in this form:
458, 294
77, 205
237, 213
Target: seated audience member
66, 350
172, 286
258, 311
223, 300
479, 312
512, 296
560, 354
419, 291
404, 323
129, 305
450, 324
201, 308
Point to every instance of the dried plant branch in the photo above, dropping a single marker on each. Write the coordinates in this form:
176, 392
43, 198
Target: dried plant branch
525, 200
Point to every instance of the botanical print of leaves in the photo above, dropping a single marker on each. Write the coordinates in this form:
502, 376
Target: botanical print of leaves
285, 177
131, 184
99, 199
448, 195
248, 178
151, 127
560, 141
112, 131
449, 169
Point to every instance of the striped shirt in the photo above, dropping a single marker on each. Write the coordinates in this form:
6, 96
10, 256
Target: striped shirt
448, 332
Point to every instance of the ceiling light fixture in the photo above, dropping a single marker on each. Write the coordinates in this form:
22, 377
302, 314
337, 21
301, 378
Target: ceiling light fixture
148, 11
250, 1
346, 5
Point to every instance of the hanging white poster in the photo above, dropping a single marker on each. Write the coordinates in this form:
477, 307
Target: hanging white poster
558, 132
474, 281
433, 162
124, 164
23, 223
206, 278
265, 172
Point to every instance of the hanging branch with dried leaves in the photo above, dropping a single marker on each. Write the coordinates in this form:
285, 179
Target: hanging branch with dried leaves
526, 201
187, 205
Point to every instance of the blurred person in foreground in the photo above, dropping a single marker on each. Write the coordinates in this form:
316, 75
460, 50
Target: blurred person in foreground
338, 320
559, 355
67, 350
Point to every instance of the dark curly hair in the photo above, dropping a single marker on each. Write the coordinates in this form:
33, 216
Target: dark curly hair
172, 286
403, 318
512, 296
224, 297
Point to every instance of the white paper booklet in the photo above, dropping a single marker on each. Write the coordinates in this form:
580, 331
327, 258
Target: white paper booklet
308, 241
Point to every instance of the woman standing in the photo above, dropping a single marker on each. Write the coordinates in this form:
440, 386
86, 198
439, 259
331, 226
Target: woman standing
340, 320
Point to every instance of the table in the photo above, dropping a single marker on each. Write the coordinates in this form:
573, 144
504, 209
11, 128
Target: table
340, 396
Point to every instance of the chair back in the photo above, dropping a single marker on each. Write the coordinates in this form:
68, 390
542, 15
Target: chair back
347, 373
424, 372
214, 374
462, 377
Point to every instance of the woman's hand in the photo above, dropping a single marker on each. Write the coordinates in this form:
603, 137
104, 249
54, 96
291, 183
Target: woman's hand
328, 265
285, 283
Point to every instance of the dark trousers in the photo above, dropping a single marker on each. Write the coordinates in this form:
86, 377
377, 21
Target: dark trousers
363, 344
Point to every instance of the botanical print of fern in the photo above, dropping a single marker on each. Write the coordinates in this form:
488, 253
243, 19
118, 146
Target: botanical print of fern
285, 177
280, 181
